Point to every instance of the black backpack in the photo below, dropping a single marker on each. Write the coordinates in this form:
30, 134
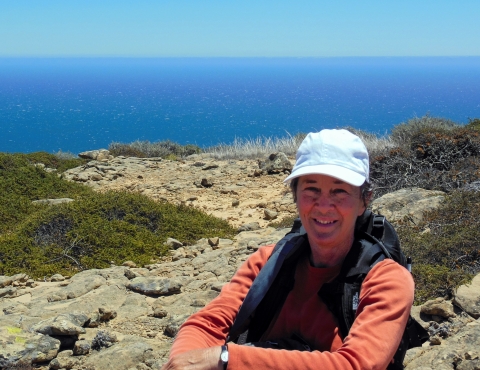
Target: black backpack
375, 240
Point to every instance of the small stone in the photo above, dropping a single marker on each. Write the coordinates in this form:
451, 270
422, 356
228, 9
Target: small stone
30, 283
207, 183
96, 177
173, 243
129, 274
159, 312
269, 214
57, 277
470, 355
130, 264
213, 242
251, 226
107, 313
435, 340
438, 307
235, 203
81, 347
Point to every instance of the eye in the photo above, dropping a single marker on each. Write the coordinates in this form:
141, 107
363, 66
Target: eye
340, 192
312, 189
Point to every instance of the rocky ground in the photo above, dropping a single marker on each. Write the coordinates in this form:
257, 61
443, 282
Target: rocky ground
125, 317
238, 191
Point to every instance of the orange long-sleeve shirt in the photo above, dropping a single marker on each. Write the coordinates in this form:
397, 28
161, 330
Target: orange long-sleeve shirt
385, 300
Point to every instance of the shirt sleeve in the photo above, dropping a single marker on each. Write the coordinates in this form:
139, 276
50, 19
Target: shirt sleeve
385, 300
210, 326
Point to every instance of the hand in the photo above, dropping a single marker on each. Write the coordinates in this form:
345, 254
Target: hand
197, 359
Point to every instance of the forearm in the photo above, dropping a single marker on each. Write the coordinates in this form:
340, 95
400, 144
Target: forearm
210, 326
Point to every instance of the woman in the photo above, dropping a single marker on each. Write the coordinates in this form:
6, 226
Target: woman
330, 185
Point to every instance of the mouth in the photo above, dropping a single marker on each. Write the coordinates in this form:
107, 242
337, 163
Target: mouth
322, 222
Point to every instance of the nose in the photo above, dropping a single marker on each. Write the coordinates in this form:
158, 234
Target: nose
324, 202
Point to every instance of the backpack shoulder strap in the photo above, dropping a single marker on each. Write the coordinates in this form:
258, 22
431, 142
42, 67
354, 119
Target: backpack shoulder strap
284, 249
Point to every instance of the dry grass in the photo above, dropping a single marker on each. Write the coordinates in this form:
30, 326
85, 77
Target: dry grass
262, 147
257, 148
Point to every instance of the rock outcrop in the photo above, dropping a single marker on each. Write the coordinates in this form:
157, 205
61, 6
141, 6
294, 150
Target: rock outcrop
238, 191
125, 317
121, 317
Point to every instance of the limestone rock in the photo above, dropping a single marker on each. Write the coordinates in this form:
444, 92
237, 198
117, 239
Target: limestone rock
127, 354
80, 285
53, 202
173, 243
81, 347
65, 324
57, 277
251, 226
276, 163
407, 204
467, 297
21, 346
98, 155
63, 362
155, 286
438, 307
269, 214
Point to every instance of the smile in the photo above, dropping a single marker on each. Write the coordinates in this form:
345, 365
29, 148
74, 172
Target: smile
324, 222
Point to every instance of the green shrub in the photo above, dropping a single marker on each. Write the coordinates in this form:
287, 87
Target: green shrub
100, 228
474, 124
21, 182
435, 160
146, 149
432, 281
444, 247
90, 232
403, 133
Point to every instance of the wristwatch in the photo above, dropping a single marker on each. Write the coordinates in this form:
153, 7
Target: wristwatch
224, 357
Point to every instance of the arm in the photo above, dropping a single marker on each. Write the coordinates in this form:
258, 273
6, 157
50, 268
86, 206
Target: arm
385, 301
210, 326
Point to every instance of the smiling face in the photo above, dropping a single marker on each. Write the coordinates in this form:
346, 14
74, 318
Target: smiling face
328, 208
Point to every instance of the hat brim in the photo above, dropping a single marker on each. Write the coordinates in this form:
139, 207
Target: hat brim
341, 173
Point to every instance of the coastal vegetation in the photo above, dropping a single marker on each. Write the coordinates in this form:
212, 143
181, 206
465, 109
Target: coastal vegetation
95, 230
100, 228
145, 149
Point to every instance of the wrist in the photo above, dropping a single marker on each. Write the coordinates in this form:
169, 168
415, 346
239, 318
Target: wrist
224, 357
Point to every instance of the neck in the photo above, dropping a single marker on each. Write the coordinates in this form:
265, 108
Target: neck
326, 256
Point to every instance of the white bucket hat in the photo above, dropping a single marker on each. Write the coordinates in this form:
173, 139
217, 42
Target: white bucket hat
336, 153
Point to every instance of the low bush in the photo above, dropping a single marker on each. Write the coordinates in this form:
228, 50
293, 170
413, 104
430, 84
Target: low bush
21, 182
100, 228
444, 247
145, 149
436, 160
403, 133
474, 123
90, 232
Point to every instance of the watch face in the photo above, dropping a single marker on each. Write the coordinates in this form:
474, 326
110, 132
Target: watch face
224, 356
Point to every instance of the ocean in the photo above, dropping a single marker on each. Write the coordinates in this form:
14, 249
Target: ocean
78, 104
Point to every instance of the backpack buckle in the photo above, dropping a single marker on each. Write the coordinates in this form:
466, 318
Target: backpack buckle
378, 221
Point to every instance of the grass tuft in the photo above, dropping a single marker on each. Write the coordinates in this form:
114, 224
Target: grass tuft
145, 149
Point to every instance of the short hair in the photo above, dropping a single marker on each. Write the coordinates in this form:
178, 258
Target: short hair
366, 190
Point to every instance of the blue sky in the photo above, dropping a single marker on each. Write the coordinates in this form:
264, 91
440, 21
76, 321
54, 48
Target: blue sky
233, 28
